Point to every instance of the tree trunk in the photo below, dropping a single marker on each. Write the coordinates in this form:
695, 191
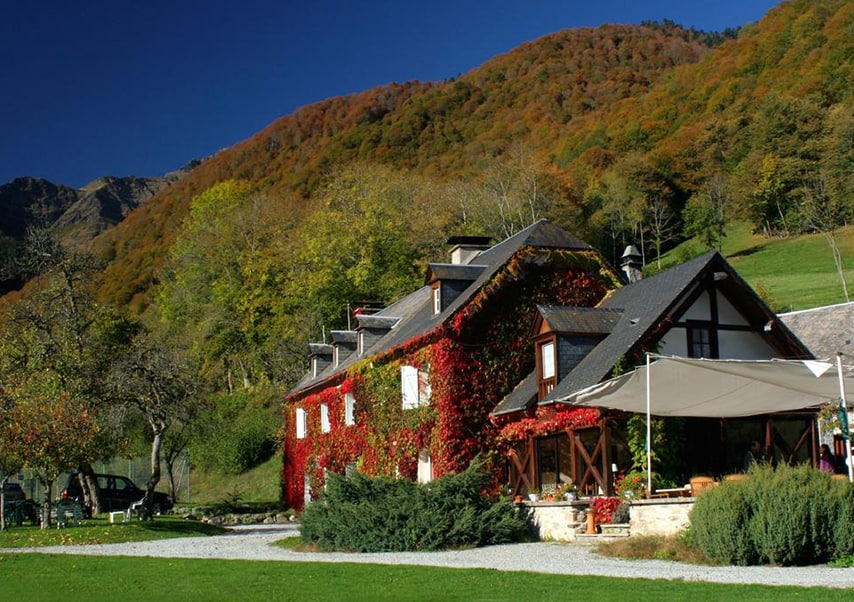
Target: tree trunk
3, 482
47, 484
157, 428
91, 489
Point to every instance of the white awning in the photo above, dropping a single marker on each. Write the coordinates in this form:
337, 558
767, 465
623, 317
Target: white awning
718, 388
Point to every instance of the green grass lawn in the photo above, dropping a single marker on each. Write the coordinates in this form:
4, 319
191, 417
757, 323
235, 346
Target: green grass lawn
99, 530
91, 578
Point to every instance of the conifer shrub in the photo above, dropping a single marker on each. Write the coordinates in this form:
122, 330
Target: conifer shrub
843, 529
382, 514
720, 524
786, 516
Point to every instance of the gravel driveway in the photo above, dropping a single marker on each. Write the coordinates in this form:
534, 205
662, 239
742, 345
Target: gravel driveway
251, 542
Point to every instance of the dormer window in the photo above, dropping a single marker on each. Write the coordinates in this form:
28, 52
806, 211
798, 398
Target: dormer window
360, 346
546, 366
314, 367
437, 298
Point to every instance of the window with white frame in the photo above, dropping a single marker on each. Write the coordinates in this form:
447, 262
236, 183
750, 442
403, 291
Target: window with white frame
325, 427
313, 367
360, 342
548, 360
409, 386
437, 298
349, 409
301, 423
425, 466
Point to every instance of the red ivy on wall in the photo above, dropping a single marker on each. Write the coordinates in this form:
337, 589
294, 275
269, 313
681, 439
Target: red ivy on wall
474, 361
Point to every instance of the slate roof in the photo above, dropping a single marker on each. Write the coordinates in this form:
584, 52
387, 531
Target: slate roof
580, 320
646, 303
524, 396
453, 271
825, 330
415, 311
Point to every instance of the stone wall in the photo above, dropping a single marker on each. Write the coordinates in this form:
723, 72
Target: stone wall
660, 516
558, 521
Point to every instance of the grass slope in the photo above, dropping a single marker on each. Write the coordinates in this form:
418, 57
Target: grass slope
260, 484
93, 578
789, 273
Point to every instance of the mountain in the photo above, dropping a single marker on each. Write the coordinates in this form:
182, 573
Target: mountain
76, 215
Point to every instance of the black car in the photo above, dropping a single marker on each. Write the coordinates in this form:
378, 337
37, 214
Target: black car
117, 493
16, 505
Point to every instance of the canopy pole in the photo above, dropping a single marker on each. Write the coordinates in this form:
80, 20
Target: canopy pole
844, 406
649, 434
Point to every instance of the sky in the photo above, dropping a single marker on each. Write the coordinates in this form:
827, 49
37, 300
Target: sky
116, 87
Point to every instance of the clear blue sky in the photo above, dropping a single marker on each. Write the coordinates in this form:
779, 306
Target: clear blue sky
118, 87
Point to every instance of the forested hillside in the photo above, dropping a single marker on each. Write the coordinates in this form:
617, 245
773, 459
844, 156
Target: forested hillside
644, 134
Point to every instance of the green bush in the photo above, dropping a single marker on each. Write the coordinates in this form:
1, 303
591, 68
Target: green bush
787, 516
382, 514
719, 524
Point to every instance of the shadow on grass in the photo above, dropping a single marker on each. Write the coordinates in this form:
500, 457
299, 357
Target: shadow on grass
181, 527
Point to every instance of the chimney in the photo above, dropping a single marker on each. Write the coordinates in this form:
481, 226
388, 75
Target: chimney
631, 264
466, 248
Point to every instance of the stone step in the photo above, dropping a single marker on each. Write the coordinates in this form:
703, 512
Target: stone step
584, 538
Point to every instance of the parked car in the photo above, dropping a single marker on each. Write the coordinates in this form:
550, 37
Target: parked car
117, 493
14, 497
12, 492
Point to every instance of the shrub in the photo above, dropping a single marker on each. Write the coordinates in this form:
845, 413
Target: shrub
719, 524
787, 516
382, 514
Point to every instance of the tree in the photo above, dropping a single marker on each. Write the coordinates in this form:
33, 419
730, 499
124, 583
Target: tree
705, 213
56, 340
54, 430
155, 380
824, 213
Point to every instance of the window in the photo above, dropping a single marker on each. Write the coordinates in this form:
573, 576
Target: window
361, 342
325, 427
700, 340
437, 298
409, 386
313, 367
425, 466
349, 409
335, 355
548, 358
546, 367
301, 423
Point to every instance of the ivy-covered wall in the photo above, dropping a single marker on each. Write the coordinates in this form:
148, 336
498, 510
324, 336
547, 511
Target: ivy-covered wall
474, 360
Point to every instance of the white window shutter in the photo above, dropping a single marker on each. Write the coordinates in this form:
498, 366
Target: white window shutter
409, 386
349, 409
301, 423
325, 427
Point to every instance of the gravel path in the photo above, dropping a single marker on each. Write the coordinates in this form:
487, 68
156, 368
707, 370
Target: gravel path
252, 543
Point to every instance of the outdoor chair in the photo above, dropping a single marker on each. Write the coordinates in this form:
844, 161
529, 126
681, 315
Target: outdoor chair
700, 484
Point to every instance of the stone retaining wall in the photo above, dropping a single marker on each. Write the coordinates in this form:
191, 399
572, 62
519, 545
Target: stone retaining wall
660, 516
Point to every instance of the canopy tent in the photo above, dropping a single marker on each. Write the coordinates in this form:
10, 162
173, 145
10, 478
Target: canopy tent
675, 386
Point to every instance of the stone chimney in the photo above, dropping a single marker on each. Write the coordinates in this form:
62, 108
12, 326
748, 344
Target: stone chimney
631, 263
466, 248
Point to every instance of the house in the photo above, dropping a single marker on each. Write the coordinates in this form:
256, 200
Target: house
699, 309
410, 390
